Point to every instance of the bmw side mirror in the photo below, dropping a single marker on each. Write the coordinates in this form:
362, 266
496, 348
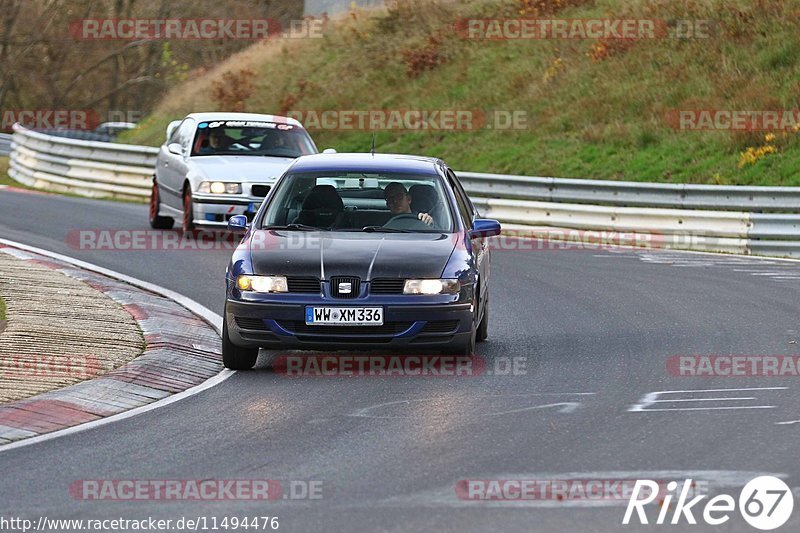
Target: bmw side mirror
171, 127
484, 227
175, 148
237, 222
329, 151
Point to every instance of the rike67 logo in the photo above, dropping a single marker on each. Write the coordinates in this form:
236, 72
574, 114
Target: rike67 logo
765, 503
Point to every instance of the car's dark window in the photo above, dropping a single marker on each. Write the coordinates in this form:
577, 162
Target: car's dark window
354, 200
467, 201
259, 138
463, 203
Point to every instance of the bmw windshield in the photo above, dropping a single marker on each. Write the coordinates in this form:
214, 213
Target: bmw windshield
254, 138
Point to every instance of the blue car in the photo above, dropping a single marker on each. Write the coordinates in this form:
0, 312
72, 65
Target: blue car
359, 251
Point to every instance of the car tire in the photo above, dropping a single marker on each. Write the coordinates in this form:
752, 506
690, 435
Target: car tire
156, 220
465, 349
236, 357
469, 349
188, 213
483, 327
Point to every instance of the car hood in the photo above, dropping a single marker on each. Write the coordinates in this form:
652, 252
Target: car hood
366, 255
241, 168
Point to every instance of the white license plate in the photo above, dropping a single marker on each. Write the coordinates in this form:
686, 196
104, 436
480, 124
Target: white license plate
344, 316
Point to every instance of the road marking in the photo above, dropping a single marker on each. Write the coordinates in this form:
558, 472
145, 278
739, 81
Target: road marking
564, 407
213, 319
652, 398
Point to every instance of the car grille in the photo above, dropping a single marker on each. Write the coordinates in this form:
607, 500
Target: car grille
306, 285
251, 323
440, 326
260, 190
389, 328
387, 286
355, 285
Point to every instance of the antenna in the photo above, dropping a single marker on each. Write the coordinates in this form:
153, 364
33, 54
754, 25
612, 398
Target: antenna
373, 143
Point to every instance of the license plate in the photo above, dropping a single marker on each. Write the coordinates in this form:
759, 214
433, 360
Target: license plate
344, 316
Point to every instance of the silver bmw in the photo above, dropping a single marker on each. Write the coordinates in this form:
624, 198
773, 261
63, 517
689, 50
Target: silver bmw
213, 166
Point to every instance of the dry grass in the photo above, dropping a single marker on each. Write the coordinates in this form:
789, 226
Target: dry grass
592, 112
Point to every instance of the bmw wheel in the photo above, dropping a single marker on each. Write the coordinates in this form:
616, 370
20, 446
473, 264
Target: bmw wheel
156, 220
188, 213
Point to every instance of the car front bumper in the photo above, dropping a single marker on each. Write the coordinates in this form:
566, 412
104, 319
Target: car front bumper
406, 327
214, 210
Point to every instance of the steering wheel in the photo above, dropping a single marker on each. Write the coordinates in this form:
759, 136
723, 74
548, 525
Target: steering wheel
406, 221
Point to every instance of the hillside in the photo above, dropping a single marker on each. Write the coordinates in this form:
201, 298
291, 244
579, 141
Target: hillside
595, 108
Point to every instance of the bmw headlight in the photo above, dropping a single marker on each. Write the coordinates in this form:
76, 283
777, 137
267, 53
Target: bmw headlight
262, 283
220, 187
432, 286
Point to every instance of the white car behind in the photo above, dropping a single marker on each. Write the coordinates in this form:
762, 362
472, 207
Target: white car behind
216, 165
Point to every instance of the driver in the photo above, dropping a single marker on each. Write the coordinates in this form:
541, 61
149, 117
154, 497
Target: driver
217, 142
399, 201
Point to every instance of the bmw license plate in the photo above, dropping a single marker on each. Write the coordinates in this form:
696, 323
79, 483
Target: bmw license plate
344, 316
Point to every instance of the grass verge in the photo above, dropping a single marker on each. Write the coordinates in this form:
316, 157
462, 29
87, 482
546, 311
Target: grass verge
595, 109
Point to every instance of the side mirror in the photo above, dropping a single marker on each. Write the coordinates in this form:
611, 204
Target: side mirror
329, 151
175, 148
171, 127
237, 222
484, 227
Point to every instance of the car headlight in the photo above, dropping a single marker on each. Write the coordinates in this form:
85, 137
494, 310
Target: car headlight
220, 187
262, 283
432, 286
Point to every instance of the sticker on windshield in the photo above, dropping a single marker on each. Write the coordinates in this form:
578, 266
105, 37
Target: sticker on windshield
246, 124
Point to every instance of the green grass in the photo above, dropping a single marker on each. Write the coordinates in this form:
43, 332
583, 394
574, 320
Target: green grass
595, 118
2, 309
5, 179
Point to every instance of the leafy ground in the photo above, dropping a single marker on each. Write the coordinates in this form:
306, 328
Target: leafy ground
596, 109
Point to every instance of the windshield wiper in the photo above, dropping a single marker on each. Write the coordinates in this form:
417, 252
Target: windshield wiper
382, 229
299, 227
293, 156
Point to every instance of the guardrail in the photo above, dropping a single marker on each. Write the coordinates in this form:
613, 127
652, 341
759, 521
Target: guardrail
735, 219
5, 144
87, 168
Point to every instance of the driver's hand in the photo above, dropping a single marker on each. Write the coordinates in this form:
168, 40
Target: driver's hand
426, 218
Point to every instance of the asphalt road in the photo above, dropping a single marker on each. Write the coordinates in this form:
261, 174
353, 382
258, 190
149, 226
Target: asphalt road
594, 328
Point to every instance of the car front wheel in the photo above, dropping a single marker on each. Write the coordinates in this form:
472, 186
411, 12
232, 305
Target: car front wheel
483, 327
465, 349
188, 213
236, 357
156, 220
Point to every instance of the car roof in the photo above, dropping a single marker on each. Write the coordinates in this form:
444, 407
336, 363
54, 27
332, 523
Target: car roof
201, 117
360, 162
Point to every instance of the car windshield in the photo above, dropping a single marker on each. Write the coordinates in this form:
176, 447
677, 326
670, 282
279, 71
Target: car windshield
358, 201
237, 137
